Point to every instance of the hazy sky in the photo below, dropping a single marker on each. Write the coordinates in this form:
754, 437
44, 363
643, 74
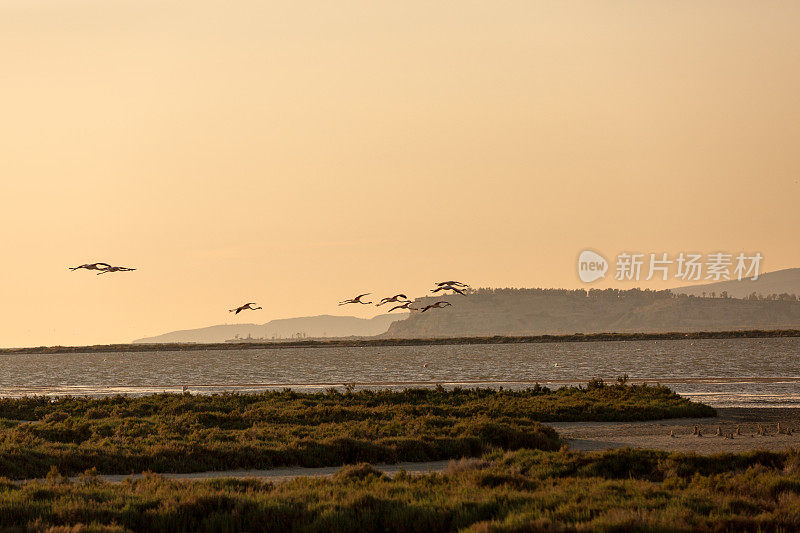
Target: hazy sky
297, 153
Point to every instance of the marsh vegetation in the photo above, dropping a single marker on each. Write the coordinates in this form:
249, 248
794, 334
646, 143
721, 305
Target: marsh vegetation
523, 490
191, 433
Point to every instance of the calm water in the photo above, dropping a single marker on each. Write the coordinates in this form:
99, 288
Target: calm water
744, 372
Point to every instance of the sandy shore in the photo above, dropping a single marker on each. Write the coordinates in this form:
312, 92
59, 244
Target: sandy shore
656, 434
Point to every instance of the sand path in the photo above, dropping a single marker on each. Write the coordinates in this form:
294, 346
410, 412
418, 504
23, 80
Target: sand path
284, 473
656, 434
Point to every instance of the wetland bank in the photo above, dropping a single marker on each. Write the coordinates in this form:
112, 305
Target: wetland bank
521, 476
186, 433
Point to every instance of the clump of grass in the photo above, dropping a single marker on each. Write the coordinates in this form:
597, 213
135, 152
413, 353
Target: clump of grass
465, 464
360, 471
188, 433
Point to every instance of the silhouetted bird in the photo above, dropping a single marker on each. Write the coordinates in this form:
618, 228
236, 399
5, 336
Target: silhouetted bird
115, 269
92, 266
406, 305
436, 306
447, 288
456, 283
356, 300
395, 298
244, 307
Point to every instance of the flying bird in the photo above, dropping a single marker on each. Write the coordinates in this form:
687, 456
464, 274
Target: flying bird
115, 269
395, 298
456, 283
243, 308
436, 305
406, 305
447, 288
92, 266
356, 300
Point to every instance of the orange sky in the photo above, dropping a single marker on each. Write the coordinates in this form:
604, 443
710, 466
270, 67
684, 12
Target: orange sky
297, 154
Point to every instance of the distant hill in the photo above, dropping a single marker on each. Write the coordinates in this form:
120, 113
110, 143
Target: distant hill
311, 326
487, 312
779, 282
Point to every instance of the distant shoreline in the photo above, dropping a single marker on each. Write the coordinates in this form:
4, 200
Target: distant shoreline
368, 342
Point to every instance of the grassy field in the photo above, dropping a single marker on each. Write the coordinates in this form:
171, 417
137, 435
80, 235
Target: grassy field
524, 490
188, 433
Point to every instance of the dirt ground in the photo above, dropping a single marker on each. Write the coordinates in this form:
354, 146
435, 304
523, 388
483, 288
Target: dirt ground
757, 430
276, 475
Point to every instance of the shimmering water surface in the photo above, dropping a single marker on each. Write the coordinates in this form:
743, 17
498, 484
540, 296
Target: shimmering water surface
727, 372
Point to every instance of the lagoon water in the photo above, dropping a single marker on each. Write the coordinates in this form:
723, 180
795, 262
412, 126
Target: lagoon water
720, 372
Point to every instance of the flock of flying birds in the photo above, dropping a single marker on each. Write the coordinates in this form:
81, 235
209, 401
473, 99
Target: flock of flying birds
455, 286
